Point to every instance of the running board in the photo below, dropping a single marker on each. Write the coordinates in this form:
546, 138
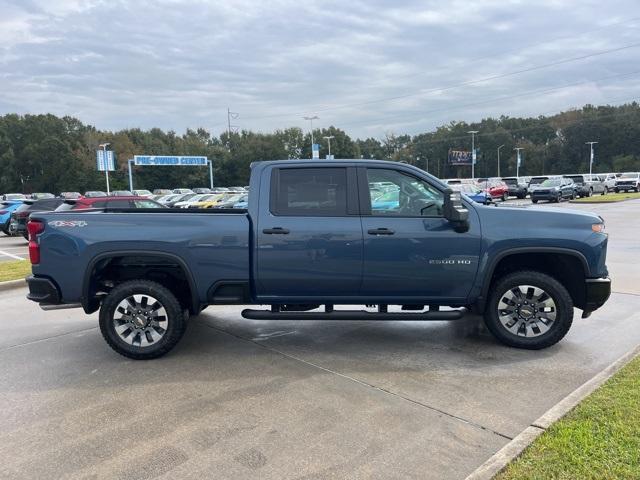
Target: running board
456, 314
61, 306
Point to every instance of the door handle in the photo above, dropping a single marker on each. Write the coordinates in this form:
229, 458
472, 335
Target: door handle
276, 231
380, 231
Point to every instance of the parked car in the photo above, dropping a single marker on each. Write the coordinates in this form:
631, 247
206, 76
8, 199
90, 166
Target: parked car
193, 199
142, 193
70, 195
181, 197
230, 201
243, 202
94, 193
162, 191
553, 190
121, 193
587, 185
518, 187
310, 238
609, 180
6, 207
211, 201
202, 190
473, 192
20, 216
13, 196
628, 182
535, 181
182, 190
108, 202
495, 188
41, 195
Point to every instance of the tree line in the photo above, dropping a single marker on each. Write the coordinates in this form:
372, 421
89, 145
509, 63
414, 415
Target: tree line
46, 153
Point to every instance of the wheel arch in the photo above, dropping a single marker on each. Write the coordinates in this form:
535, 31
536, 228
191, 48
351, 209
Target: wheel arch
549, 260
91, 304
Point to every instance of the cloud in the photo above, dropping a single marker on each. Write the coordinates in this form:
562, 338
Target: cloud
370, 66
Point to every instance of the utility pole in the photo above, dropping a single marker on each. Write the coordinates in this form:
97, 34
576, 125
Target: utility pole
311, 119
591, 144
473, 152
104, 146
517, 149
499, 158
328, 139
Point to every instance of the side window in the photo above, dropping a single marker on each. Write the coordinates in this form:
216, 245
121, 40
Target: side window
395, 193
309, 192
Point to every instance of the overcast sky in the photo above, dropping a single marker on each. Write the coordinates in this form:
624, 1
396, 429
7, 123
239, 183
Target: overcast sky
369, 67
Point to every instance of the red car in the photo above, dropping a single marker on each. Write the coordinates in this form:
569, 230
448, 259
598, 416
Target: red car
495, 188
111, 202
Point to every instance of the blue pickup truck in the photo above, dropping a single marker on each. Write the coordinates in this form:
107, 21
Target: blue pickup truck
311, 241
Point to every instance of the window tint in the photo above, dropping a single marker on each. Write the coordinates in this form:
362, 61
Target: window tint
65, 207
398, 194
311, 191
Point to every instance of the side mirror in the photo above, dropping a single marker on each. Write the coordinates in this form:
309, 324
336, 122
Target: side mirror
455, 211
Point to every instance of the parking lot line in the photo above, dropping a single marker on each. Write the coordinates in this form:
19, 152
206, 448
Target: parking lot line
7, 254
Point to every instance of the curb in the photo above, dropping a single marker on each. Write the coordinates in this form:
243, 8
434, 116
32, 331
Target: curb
12, 285
599, 202
512, 450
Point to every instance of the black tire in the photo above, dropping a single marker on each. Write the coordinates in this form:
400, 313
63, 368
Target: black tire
590, 192
175, 317
573, 196
25, 235
505, 196
534, 201
616, 190
554, 289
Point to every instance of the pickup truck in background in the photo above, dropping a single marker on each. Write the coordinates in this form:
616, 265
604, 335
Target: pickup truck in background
314, 239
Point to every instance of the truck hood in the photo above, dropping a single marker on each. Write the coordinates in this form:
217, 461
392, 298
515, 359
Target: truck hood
539, 216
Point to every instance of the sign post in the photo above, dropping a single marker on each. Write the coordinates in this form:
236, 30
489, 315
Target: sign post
105, 162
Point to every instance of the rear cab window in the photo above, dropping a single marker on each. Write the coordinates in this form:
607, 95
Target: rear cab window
310, 192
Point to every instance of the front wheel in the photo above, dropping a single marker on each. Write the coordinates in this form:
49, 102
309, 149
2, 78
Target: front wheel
534, 201
505, 196
141, 319
529, 309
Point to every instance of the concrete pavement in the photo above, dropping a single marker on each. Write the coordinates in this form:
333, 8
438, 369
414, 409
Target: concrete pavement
249, 399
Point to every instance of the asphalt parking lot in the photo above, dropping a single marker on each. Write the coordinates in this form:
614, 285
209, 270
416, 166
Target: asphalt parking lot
250, 399
12, 248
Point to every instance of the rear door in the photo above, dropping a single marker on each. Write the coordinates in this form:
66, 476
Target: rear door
309, 234
410, 250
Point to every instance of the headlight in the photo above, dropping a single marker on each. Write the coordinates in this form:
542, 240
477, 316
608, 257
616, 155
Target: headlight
598, 227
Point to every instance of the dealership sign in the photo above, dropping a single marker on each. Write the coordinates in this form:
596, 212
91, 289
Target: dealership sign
169, 160
461, 157
105, 160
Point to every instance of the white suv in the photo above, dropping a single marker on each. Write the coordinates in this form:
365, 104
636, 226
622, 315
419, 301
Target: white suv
628, 181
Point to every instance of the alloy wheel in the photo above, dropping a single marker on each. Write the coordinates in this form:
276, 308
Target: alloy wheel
527, 311
140, 320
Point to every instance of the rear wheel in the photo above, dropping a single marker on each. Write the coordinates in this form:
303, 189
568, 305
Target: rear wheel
533, 200
529, 309
505, 196
142, 320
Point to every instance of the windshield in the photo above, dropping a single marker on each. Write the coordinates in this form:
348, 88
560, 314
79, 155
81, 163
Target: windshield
552, 182
629, 175
537, 180
576, 178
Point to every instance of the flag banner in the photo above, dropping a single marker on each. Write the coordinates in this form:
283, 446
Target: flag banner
105, 160
460, 157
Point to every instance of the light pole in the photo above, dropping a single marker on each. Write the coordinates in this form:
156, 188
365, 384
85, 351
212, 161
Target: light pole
591, 144
517, 149
328, 139
473, 152
104, 146
311, 119
499, 158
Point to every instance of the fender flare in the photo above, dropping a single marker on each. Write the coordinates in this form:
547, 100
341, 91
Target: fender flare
86, 282
495, 260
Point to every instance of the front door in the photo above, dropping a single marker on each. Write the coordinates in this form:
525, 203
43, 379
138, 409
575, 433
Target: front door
309, 238
410, 250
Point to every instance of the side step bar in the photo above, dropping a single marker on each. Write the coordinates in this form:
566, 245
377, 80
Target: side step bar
456, 314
